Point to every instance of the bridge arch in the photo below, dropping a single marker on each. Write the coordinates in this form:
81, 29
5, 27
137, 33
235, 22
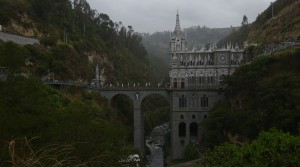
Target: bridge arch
114, 97
137, 96
122, 106
156, 110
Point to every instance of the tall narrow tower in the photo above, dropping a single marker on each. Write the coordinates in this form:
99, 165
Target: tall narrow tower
177, 27
177, 41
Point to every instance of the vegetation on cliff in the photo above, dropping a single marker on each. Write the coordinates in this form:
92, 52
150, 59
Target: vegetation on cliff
279, 22
75, 119
260, 95
272, 148
74, 38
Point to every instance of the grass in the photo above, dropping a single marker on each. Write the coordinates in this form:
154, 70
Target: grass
22, 154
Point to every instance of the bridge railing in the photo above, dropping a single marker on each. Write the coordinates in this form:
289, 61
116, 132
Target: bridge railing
136, 88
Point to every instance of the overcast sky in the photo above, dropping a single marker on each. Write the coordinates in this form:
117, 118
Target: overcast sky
159, 15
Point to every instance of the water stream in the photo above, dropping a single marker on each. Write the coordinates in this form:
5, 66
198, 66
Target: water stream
155, 142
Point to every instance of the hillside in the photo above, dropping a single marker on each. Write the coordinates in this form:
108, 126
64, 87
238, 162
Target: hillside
283, 26
260, 96
41, 126
74, 38
238, 36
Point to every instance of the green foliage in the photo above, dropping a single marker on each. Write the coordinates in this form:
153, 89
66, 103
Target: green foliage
190, 152
279, 27
159, 70
245, 21
278, 5
30, 109
12, 56
273, 148
238, 36
84, 32
3, 18
156, 111
260, 95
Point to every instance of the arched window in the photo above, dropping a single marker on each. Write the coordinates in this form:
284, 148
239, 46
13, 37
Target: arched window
222, 78
182, 101
181, 117
194, 80
203, 80
182, 83
193, 129
182, 129
204, 101
200, 80
193, 117
190, 102
175, 83
178, 48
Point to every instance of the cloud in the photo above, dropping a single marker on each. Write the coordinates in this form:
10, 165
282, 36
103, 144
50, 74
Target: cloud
159, 15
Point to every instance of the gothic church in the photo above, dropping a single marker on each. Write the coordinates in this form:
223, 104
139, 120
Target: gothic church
195, 81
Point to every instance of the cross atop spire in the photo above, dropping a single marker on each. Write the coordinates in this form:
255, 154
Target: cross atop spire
177, 28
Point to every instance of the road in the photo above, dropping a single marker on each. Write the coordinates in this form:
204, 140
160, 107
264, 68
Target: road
18, 39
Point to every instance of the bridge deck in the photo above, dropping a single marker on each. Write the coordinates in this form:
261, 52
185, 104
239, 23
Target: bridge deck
206, 87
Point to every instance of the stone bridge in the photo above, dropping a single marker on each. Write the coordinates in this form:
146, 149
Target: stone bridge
189, 107
137, 95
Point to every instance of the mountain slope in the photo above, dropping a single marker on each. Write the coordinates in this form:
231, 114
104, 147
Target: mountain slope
283, 26
74, 38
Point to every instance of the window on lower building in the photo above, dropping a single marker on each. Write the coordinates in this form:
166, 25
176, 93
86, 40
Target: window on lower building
193, 129
175, 83
182, 129
204, 101
182, 101
182, 83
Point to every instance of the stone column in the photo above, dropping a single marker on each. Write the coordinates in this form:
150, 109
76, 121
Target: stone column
138, 127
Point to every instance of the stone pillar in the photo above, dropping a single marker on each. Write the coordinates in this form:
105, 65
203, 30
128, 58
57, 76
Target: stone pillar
138, 127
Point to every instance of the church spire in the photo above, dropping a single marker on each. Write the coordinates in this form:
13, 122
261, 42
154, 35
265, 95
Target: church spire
177, 28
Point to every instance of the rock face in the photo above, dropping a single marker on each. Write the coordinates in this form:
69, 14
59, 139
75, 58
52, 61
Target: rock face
24, 27
104, 64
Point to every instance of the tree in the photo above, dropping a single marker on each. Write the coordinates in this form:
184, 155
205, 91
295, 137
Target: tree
245, 21
273, 148
12, 56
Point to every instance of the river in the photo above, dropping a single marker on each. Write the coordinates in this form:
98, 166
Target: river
155, 142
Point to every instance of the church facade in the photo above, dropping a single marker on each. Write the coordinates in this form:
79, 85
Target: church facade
195, 81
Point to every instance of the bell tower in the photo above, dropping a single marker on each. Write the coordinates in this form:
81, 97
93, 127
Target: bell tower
177, 41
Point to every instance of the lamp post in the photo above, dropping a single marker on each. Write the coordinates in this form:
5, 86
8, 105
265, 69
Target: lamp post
272, 9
